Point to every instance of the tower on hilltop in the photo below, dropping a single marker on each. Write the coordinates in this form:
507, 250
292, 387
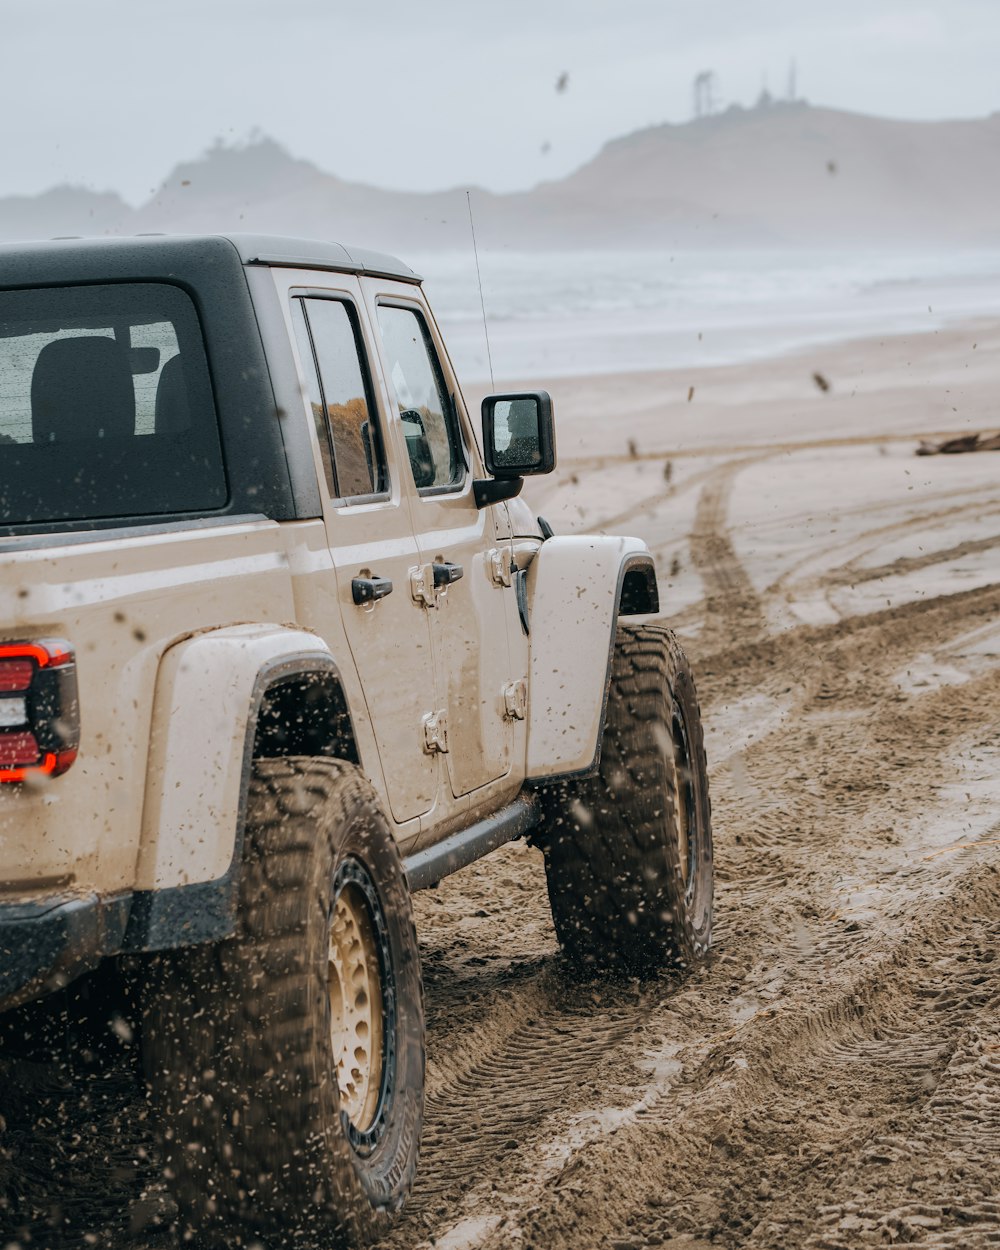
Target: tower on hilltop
704, 93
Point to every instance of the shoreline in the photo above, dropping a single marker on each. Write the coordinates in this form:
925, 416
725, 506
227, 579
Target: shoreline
936, 382
607, 313
785, 474
856, 338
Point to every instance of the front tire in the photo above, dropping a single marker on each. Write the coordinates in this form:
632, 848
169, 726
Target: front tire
289, 1059
628, 853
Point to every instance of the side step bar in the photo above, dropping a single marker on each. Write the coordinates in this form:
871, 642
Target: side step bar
431, 865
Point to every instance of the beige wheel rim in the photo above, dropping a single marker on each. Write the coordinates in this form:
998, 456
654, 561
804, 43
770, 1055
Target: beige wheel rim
356, 1016
683, 845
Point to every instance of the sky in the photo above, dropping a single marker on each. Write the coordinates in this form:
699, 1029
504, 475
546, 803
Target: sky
111, 94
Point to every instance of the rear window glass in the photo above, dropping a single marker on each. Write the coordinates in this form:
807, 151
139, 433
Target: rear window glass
106, 406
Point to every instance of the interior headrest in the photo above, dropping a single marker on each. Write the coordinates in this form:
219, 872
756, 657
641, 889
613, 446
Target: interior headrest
82, 388
172, 411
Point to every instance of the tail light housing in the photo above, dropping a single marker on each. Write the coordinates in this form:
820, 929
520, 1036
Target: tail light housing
39, 709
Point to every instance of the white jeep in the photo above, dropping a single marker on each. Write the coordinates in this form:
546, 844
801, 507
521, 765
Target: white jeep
279, 644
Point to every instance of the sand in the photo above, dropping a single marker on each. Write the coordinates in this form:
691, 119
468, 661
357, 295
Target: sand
806, 483
831, 1077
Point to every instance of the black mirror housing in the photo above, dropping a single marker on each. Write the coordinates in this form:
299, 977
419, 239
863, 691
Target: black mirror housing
519, 437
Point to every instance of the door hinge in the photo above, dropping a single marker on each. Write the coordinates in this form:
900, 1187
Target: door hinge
436, 732
498, 563
422, 586
429, 583
515, 700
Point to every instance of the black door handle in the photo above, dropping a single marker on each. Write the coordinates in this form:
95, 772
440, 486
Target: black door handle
368, 589
445, 574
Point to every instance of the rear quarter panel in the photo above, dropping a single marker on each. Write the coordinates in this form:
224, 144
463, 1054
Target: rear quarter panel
121, 600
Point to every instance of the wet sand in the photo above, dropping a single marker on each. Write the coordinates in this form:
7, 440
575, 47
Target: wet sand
831, 1077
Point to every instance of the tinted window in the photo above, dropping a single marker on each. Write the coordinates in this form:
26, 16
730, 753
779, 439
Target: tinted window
425, 408
106, 405
340, 398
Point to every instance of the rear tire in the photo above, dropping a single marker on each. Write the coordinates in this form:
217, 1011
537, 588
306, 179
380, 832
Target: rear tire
628, 852
289, 1060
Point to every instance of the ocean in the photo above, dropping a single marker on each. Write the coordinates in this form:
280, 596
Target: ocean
558, 314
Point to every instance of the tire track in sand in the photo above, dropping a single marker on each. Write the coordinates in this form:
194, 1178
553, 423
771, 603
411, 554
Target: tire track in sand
851, 552
728, 1155
778, 883
732, 607
698, 1146
848, 1021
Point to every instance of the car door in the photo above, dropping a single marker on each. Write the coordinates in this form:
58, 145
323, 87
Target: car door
457, 541
370, 533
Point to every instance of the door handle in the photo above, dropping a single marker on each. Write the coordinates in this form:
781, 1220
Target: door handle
445, 574
368, 589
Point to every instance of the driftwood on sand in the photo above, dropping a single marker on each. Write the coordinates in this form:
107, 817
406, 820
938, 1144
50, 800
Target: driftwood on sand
964, 442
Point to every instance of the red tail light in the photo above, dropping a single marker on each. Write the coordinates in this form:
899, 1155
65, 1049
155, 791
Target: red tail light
39, 709
15, 675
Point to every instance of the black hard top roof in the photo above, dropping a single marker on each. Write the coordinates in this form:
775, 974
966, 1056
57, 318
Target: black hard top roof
253, 249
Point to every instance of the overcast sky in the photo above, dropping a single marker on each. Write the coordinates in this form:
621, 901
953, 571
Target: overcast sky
424, 94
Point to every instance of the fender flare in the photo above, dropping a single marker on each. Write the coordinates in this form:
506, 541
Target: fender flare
577, 588
210, 690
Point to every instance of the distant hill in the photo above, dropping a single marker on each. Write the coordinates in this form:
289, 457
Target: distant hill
225, 182
789, 173
63, 210
783, 174
260, 187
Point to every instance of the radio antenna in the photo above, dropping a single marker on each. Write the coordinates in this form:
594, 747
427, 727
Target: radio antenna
479, 278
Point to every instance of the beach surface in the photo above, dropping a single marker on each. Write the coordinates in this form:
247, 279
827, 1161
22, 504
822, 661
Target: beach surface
830, 1078
798, 473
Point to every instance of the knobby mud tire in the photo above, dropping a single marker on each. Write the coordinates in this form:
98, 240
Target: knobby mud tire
624, 894
238, 1044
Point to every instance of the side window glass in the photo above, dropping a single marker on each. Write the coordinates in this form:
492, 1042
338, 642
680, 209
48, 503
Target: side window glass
340, 397
313, 393
425, 408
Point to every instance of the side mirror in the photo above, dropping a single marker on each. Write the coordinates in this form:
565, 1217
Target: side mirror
519, 436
